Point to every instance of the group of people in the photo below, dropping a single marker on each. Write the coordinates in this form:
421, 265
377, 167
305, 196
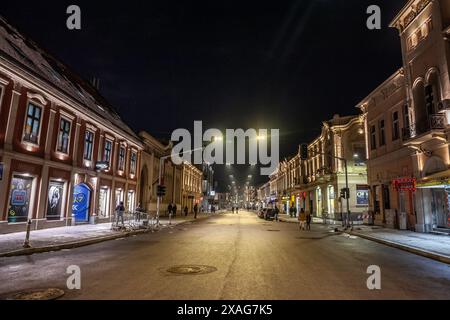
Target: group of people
304, 220
233, 208
172, 209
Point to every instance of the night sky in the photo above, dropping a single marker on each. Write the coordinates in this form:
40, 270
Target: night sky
231, 64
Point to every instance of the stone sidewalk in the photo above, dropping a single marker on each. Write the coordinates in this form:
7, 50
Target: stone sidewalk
428, 245
52, 239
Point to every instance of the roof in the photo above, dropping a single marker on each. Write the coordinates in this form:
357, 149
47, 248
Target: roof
21, 51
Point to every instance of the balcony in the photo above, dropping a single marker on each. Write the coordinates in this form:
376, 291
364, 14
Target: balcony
420, 129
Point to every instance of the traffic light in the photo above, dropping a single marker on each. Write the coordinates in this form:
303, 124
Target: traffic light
161, 190
304, 151
345, 193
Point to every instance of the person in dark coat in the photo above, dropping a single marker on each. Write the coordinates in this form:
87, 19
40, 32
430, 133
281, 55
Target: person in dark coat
186, 211
195, 211
169, 209
174, 210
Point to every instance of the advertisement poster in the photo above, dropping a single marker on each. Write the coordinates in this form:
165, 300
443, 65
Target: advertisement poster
20, 199
81, 200
55, 197
362, 196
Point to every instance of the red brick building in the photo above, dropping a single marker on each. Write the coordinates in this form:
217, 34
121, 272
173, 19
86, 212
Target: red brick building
65, 154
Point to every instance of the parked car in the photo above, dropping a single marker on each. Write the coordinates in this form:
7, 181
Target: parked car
269, 214
262, 213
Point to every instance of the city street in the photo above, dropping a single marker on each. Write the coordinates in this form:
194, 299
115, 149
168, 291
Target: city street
251, 259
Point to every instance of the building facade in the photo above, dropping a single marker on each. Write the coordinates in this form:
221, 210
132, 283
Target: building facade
191, 190
66, 157
314, 184
409, 174
153, 151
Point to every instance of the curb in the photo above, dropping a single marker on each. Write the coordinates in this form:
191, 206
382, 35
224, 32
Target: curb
414, 250
82, 243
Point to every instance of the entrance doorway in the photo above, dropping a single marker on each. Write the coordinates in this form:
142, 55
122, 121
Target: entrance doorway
440, 208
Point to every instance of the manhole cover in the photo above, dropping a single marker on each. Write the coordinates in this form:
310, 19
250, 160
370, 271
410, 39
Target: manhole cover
37, 294
191, 269
272, 230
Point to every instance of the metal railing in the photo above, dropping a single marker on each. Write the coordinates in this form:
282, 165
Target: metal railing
433, 122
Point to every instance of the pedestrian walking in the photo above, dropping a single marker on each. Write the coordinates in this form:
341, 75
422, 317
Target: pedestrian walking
276, 212
195, 211
174, 210
120, 209
308, 221
301, 220
232, 209
169, 209
186, 211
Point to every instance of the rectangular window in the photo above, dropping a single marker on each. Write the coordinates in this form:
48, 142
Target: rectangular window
133, 163
373, 139
382, 133
88, 145
107, 151
33, 123
395, 126
121, 158
386, 197
405, 116
63, 136
55, 199
103, 202
429, 99
359, 154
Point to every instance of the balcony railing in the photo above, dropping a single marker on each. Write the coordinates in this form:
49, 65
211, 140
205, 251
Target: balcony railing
434, 122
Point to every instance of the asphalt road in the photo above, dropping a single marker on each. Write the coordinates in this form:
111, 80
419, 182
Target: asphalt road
255, 259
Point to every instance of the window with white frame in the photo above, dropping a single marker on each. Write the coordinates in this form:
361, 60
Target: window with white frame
107, 151
382, 132
121, 164
88, 145
32, 123
63, 136
395, 126
133, 162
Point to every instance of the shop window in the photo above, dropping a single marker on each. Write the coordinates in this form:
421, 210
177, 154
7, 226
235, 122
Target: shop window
121, 165
103, 202
88, 145
133, 163
63, 136
55, 200
32, 124
107, 151
130, 201
395, 126
20, 197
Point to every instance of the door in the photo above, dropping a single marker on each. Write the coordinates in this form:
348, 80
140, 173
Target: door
440, 209
81, 202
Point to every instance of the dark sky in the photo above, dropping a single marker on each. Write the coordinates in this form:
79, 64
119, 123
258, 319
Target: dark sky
231, 64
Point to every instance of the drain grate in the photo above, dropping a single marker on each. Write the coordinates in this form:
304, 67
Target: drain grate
37, 294
272, 230
191, 269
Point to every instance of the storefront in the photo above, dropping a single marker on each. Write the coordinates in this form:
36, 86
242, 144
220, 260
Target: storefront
23, 189
405, 188
436, 196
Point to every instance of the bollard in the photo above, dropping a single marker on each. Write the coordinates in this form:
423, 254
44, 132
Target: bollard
26, 243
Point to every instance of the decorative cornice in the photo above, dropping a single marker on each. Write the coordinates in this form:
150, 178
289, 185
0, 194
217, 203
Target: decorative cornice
38, 97
408, 17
